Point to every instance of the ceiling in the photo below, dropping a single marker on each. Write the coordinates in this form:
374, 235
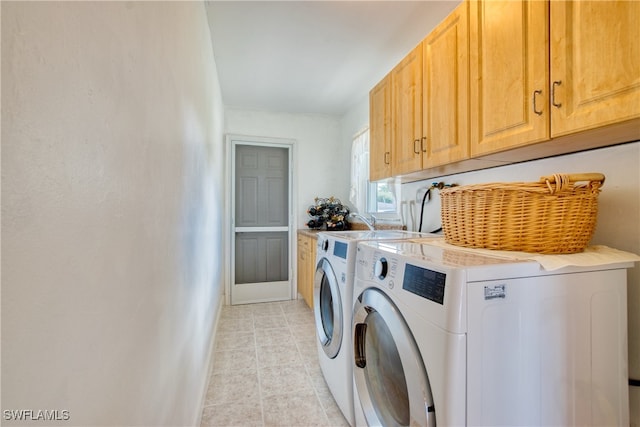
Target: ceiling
313, 56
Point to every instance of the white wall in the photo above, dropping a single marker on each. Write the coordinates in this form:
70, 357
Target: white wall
321, 162
111, 210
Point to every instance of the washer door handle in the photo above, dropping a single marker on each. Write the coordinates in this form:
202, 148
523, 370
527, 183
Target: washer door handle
359, 333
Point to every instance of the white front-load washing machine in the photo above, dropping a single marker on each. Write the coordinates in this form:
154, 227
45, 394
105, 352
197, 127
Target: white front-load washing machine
333, 293
449, 337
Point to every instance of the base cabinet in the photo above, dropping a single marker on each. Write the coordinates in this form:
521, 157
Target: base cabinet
306, 266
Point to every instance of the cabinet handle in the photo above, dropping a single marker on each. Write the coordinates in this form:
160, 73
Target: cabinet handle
386, 157
416, 141
535, 108
553, 94
423, 144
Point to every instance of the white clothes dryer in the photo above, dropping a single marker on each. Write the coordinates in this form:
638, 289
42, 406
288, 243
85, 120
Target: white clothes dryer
452, 338
333, 301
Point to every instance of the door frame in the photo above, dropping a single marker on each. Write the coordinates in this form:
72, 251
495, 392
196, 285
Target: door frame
231, 140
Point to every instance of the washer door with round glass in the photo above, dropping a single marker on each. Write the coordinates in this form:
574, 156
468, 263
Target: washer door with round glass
389, 374
327, 308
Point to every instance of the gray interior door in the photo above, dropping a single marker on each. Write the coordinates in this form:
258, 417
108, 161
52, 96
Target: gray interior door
261, 213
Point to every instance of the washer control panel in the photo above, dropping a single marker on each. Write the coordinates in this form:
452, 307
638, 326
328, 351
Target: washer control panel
424, 282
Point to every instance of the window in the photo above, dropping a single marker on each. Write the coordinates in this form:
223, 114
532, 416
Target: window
370, 197
381, 197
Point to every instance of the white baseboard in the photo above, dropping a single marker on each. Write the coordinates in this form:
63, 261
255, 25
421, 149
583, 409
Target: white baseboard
209, 363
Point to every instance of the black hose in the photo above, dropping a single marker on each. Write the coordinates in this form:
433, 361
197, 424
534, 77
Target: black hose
424, 199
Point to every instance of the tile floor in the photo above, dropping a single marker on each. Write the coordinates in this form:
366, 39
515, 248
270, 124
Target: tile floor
265, 370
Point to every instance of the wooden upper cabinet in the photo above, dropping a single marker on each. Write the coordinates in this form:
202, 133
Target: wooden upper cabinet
595, 64
445, 83
380, 130
509, 72
498, 76
406, 80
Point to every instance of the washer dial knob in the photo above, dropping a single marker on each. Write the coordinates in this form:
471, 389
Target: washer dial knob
381, 268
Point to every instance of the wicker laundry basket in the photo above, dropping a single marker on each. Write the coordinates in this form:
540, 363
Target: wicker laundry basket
556, 215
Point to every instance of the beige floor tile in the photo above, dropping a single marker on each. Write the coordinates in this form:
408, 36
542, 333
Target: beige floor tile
235, 341
235, 324
232, 388
319, 384
295, 306
301, 318
285, 353
272, 321
300, 409
235, 361
335, 416
230, 311
302, 331
310, 358
274, 337
266, 372
267, 309
232, 415
285, 379
307, 347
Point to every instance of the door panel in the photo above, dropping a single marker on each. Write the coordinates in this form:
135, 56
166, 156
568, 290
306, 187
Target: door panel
380, 130
509, 74
446, 90
406, 79
262, 190
595, 79
261, 257
248, 192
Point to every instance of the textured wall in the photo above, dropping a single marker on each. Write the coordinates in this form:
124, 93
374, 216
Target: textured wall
111, 210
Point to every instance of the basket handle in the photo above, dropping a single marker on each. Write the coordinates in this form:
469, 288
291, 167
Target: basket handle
563, 181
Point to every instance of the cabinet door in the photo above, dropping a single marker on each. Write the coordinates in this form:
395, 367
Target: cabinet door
509, 69
595, 64
406, 78
304, 276
380, 130
445, 115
